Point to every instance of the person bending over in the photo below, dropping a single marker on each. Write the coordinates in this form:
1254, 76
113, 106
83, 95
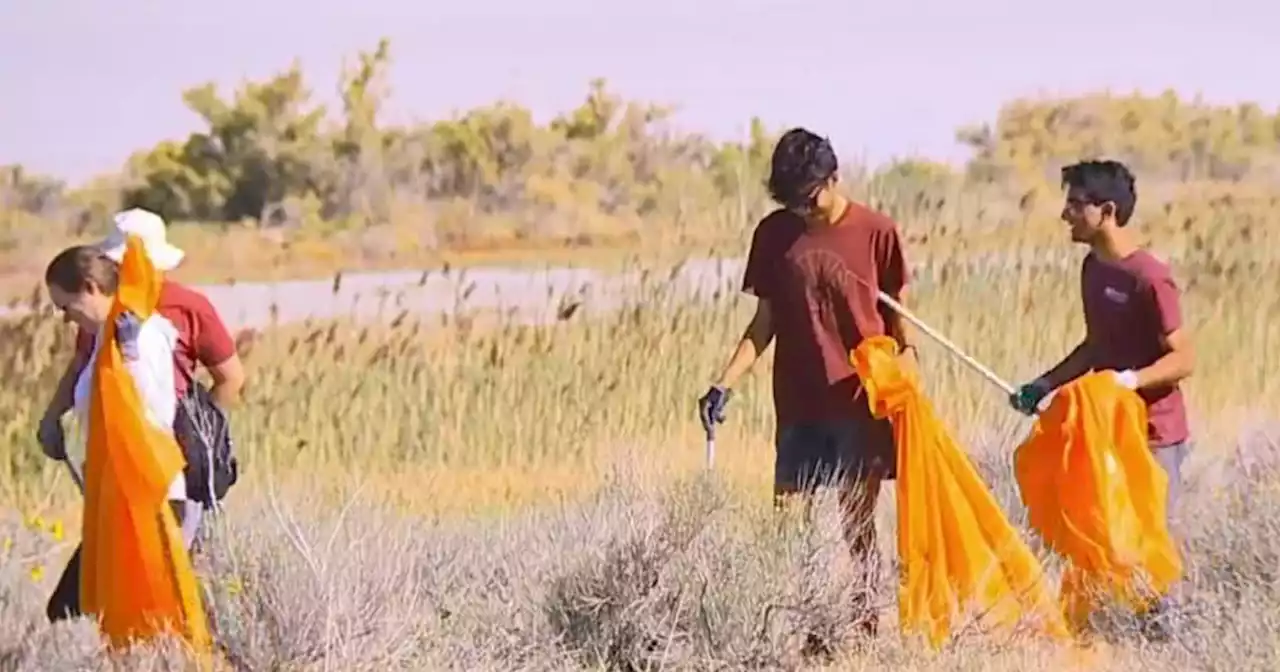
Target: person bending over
814, 266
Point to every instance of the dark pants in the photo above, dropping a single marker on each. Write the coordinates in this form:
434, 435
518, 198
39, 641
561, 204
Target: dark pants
855, 457
65, 600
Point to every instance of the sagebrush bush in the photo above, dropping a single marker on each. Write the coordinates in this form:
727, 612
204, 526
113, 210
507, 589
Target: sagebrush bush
678, 576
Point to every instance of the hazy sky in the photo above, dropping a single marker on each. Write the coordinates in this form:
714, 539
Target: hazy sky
84, 83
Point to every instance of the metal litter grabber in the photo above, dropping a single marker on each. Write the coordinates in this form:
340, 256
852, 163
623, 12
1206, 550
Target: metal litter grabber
711, 448
972, 363
75, 475
710, 428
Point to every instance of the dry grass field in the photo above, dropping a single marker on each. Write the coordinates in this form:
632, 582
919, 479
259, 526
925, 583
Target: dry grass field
475, 494
481, 495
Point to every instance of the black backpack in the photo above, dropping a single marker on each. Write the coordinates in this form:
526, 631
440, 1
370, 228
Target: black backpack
204, 434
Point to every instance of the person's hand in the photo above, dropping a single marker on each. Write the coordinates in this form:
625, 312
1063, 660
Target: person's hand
711, 408
51, 438
128, 326
909, 363
1128, 379
1026, 399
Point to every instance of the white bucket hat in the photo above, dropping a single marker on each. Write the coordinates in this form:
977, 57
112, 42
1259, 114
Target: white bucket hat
148, 226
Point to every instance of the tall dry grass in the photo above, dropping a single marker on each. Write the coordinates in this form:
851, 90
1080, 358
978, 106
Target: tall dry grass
483, 495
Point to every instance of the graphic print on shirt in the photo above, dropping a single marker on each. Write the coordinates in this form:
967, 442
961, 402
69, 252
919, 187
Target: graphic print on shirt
1116, 295
832, 290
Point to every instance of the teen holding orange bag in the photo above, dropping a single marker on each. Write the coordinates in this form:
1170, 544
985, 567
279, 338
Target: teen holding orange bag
1133, 318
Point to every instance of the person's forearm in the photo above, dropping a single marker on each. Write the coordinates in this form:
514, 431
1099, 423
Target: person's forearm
898, 327
743, 358
64, 396
1167, 370
755, 339
1071, 367
901, 332
228, 380
225, 395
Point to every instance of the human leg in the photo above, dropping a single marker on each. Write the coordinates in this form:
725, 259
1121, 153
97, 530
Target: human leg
189, 515
806, 461
855, 458
64, 603
1171, 458
858, 496
865, 452
1158, 619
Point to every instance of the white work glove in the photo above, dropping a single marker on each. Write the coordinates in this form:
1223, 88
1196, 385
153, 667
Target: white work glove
1128, 379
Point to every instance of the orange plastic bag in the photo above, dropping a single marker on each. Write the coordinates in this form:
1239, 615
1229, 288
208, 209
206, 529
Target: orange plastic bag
136, 576
961, 558
1096, 495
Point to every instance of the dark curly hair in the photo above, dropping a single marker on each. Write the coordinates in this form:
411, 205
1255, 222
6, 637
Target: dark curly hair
801, 161
1103, 181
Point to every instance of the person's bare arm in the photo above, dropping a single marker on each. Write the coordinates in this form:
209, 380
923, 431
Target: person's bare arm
1075, 364
1178, 361
228, 381
898, 326
758, 281
902, 331
894, 276
49, 432
755, 339
64, 396
216, 350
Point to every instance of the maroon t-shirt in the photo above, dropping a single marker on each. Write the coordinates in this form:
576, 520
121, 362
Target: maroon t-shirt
1130, 305
821, 311
202, 336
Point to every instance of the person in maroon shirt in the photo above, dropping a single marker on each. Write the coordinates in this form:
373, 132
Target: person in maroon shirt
202, 339
814, 267
1133, 322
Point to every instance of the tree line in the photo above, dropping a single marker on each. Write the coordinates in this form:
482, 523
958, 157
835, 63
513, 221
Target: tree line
271, 156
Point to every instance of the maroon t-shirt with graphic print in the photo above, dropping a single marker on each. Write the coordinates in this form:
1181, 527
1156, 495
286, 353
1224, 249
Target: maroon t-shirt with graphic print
202, 336
1130, 305
821, 311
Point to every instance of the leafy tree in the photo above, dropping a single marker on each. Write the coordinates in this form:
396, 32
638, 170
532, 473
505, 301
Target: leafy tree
1162, 136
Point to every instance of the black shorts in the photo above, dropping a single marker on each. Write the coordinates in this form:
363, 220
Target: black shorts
817, 454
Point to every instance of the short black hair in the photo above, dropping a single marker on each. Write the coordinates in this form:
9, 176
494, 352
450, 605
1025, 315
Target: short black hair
1103, 181
801, 161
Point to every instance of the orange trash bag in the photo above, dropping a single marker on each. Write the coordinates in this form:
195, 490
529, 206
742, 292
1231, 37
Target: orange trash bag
961, 558
136, 576
1096, 495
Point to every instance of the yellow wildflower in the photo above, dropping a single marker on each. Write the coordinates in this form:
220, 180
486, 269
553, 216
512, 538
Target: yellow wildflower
55, 530
37, 573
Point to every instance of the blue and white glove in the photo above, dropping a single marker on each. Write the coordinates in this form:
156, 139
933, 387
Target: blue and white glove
128, 326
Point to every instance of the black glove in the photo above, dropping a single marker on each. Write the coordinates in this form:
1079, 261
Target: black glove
711, 408
51, 438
